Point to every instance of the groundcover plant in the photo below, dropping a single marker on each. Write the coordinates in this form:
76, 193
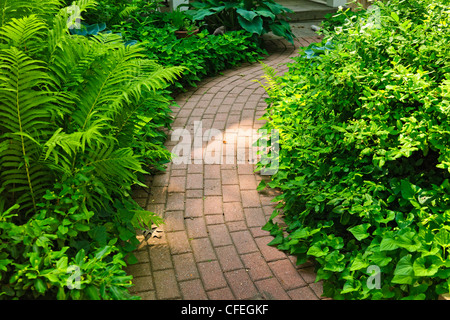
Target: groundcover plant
364, 153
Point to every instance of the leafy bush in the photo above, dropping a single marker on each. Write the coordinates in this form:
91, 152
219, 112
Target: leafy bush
201, 55
73, 111
364, 154
256, 17
112, 12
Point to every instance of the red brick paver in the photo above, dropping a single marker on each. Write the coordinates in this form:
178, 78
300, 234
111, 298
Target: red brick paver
212, 245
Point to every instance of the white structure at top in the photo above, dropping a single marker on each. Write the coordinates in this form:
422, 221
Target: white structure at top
176, 3
336, 3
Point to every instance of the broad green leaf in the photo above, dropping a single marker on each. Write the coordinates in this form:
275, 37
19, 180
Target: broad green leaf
317, 251
442, 238
335, 262
247, 15
277, 240
202, 14
63, 229
61, 295
254, 26
358, 263
426, 266
275, 8
408, 240
408, 190
265, 13
62, 263
404, 271
388, 243
380, 259
92, 292
351, 285
39, 285
100, 254
360, 231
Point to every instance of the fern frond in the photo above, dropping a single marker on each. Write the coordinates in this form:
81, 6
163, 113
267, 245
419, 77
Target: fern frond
23, 114
45, 9
24, 34
60, 22
116, 167
59, 151
127, 11
270, 76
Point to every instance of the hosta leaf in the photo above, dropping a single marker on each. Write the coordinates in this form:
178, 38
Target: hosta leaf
265, 13
202, 14
282, 31
254, 26
247, 15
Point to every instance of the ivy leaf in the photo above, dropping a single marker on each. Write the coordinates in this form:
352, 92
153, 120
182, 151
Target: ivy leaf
408, 241
360, 231
335, 262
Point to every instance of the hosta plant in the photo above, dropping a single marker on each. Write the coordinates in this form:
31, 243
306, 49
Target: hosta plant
257, 17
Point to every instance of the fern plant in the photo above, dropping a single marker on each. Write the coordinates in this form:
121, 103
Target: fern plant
71, 109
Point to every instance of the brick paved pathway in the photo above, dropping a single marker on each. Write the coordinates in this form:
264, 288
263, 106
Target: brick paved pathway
212, 245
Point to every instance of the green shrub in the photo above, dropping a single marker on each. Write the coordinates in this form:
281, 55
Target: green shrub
364, 154
72, 112
202, 55
114, 11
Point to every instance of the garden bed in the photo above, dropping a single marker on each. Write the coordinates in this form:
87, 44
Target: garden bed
364, 161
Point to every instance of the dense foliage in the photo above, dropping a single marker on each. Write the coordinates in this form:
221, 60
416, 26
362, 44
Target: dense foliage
80, 118
364, 153
202, 55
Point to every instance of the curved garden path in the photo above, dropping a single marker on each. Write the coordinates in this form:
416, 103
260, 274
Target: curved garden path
211, 245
